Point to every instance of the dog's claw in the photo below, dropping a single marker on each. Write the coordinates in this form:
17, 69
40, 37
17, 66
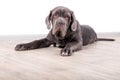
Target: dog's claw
66, 52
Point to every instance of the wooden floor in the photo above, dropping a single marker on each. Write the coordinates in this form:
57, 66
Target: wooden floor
98, 61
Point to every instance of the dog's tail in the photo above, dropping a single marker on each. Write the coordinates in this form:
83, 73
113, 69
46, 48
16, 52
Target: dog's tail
104, 39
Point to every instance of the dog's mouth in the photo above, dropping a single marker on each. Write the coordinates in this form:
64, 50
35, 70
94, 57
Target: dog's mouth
59, 35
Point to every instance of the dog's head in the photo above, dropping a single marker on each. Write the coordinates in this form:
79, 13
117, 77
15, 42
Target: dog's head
61, 19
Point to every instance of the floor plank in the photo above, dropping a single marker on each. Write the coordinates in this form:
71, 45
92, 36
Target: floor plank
98, 61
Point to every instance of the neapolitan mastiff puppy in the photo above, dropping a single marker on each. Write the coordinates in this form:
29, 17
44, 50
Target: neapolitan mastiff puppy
66, 32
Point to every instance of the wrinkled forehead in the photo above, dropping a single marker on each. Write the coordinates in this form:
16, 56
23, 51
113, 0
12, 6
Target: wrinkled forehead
61, 10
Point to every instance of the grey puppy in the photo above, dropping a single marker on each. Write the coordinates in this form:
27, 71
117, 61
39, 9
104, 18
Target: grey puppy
66, 32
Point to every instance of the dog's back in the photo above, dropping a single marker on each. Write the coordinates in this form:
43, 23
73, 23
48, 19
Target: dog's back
88, 34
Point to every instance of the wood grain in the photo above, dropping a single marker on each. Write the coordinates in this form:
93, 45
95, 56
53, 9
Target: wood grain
98, 61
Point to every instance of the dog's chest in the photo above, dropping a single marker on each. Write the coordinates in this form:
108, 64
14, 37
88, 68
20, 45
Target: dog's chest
60, 42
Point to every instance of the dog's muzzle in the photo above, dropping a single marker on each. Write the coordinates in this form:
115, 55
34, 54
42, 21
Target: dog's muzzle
59, 27
60, 23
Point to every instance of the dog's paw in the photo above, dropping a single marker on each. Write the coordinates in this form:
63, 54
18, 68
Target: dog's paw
66, 52
22, 47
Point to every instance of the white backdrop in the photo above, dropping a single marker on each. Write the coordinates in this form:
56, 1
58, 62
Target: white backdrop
19, 17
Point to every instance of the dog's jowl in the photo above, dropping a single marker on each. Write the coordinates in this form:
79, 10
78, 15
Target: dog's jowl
66, 32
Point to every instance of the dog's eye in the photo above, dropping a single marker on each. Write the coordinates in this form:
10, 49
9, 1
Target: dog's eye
55, 16
66, 17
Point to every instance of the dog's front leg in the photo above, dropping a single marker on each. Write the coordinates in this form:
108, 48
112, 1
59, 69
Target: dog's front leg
33, 45
70, 48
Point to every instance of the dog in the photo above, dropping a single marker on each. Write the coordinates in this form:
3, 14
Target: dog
66, 32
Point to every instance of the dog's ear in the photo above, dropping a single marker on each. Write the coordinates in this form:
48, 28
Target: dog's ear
73, 22
48, 20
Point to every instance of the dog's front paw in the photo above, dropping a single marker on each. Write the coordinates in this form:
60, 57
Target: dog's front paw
22, 47
66, 52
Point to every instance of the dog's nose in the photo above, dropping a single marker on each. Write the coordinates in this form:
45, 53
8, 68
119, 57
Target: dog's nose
60, 23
